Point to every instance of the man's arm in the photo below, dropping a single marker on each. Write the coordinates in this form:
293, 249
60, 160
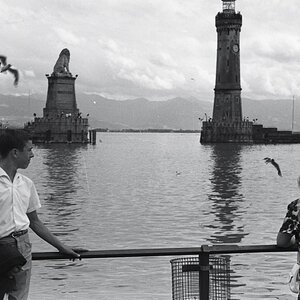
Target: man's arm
43, 232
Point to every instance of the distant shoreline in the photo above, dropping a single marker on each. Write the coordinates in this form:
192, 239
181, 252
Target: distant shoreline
147, 130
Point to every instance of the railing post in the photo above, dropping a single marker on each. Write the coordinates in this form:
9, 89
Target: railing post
204, 273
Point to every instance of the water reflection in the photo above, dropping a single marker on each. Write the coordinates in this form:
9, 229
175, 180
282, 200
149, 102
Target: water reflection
63, 182
225, 195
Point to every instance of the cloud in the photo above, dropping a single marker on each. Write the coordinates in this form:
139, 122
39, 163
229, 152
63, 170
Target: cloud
68, 37
163, 59
271, 67
150, 71
134, 48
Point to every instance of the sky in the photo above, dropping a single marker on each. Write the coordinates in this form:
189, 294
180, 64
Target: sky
126, 49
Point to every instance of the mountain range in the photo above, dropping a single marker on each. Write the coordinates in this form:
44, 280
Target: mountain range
176, 113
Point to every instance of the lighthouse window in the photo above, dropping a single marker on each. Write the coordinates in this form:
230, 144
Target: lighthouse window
236, 78
227, 62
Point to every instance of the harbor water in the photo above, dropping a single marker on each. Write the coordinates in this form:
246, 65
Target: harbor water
156, 190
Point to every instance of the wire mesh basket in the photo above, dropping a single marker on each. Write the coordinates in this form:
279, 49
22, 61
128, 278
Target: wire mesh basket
185, 278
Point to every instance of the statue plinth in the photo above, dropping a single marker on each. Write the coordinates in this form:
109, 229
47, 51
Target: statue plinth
61, 99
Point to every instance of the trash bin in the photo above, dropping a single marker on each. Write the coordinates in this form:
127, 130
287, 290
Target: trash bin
185, 278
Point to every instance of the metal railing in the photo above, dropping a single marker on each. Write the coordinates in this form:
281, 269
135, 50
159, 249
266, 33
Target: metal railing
203, 252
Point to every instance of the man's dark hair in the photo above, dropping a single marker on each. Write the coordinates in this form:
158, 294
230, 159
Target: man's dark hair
12, 139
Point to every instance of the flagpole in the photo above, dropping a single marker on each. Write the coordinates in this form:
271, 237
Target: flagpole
293, 113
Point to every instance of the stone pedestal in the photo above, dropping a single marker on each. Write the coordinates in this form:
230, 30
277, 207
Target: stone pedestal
221, 132
61, 122
61, 99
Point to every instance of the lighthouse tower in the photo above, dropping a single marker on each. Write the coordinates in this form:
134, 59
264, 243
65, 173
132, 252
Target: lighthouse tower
227, 124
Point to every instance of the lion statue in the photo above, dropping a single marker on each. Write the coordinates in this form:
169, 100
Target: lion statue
61, 68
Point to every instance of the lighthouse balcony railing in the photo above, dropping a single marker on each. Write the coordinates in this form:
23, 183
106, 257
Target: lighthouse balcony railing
203, 252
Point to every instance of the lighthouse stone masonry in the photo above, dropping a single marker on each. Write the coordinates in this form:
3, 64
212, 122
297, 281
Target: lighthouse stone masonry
227, 123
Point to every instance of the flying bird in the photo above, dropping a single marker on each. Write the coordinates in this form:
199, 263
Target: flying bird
8, 67
274, 163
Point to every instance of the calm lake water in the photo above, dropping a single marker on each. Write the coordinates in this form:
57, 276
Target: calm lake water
148, 190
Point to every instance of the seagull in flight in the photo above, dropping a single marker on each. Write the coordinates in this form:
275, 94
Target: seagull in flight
7, 67
274, 163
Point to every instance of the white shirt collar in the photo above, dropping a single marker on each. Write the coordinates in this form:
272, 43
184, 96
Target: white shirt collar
4, 174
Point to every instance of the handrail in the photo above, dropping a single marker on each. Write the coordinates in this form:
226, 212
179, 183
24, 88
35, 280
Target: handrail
203, 252
210, 249
226, 249
120, 253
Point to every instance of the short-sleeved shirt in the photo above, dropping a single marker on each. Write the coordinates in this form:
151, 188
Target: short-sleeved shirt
291, 224
17, 198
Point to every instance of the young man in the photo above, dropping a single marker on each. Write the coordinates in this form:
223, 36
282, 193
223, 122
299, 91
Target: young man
19, 202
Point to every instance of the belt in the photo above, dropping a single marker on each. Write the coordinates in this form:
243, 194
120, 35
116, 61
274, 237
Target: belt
15, 234
18, 233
